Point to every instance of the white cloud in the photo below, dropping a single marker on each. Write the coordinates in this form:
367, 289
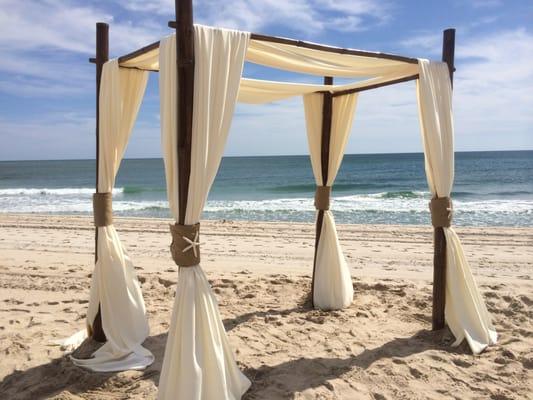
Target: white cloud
427, 43
494, 86
486, 3
493, 90
303, 16
45, 53
69, 135
46, 44
64, 25
47, 57
161, 7
493, 99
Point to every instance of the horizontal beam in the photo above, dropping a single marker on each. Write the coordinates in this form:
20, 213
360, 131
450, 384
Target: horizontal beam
139, 52
321, 47
332, 49
139, 69
375, 86
93, 61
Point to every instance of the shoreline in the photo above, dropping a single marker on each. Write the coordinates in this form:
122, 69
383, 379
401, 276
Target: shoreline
260, 273
88, 216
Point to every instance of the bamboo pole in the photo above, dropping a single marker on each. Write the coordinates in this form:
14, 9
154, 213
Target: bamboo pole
327, 110
439, 255
102, 55
185, 94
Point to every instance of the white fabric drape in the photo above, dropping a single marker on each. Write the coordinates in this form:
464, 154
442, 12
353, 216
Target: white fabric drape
257, 91
322, 63
114, 285
465, 310
199, 363
333, 283
304, 60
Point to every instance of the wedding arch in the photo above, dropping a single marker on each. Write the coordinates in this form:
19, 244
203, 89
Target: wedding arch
200, 82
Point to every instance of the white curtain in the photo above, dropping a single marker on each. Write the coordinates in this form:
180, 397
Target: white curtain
323, 63
304, 60
199, 363
257, 91
465, 310
333, 284
114, 285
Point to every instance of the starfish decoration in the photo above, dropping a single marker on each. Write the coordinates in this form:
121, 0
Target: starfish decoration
450, 208
193, 244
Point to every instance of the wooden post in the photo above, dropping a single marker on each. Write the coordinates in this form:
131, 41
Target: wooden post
185, 96
439, 255
102, 55
448, 50
327, 110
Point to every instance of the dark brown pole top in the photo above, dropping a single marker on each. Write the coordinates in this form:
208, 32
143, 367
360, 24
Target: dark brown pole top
102, 42
448, 50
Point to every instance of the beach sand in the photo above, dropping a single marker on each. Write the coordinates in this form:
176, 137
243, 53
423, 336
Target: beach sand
379, 348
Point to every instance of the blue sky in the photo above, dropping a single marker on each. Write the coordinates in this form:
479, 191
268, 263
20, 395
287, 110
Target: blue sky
47, 90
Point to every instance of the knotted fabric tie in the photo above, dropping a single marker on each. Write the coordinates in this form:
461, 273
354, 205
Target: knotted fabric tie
441, 211
322, 195
102, 209
185, 247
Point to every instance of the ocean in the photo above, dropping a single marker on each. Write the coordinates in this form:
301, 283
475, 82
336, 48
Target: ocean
491, 189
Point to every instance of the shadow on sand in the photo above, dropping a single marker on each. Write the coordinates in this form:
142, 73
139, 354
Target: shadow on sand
60, 375
319, 370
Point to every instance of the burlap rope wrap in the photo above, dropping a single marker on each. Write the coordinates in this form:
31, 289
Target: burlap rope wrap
102, 209
185, 247
441, 211
322, 195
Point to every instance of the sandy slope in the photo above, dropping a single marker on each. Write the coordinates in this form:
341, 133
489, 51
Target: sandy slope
379, 348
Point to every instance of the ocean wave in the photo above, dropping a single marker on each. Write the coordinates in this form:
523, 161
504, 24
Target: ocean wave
382, 207
310, 187
51, 191
141, 189
405, 194
77, 206
511, 193
417, 202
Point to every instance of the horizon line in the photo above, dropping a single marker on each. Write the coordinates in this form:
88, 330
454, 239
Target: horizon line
274, 155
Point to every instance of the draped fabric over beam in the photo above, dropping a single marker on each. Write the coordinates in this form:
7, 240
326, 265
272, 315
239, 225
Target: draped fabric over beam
257, 91
322, 63
465, 310
332, 288
114, 285
303, 60
199, 363
300, 59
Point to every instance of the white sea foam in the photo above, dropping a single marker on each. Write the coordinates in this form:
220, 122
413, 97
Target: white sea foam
51, 191
370, 202
411, 207
77, 206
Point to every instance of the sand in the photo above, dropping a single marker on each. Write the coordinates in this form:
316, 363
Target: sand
379, 348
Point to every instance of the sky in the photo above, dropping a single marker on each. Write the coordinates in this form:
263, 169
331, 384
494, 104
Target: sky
47, 85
